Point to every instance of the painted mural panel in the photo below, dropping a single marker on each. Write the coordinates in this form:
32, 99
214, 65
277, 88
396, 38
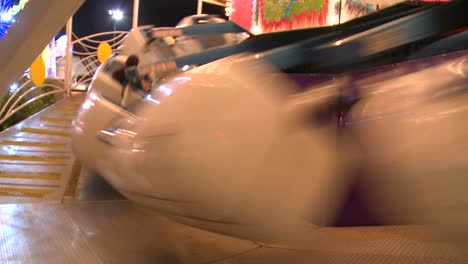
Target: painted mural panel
279, 15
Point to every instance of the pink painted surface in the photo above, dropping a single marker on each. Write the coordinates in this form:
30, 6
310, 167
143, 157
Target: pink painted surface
307, 18
242, 13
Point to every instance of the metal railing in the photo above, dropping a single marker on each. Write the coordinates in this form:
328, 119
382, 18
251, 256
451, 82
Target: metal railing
88, 55
86, 51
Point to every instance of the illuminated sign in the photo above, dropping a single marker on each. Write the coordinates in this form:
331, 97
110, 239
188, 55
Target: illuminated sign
15, 9
8, 11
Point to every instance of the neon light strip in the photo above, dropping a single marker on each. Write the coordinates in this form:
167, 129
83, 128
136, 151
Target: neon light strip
17, 8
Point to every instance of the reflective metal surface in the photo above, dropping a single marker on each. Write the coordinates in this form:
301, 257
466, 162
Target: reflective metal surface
42, 233
121, 232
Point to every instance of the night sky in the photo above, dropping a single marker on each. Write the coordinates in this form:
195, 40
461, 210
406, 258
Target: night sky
93, 15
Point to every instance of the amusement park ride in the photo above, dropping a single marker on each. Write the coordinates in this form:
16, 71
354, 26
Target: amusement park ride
265, 134
291, 116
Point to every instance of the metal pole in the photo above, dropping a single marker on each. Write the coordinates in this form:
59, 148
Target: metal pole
69, 56
136, 8
339, 14
199, 7
53, 62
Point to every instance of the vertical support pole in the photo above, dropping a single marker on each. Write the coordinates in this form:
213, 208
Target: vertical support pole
69, 57
339, 14
199, 7
52, 60
136, 8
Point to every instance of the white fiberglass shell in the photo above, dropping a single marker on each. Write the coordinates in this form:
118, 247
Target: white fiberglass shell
218, 147
412, 130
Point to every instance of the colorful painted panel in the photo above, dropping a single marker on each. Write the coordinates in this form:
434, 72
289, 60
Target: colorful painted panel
278, 15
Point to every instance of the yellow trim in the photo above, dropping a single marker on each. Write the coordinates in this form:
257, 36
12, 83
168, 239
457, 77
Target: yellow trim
32, 144
34, 158
37, 71
367, 235
104, 51
66, 110
76, 103
56, 120
44, 176
9, 191
74, 178
54, 132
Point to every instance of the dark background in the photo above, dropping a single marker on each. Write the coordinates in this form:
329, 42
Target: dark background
93, 15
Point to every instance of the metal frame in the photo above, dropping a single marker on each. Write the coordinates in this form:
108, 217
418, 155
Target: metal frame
213, 2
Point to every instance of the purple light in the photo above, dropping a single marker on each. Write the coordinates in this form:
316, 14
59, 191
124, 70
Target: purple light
6, 17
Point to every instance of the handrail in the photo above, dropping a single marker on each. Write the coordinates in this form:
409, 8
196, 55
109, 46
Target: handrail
88, 58
27, 103
89, 38
5, 106
12, 109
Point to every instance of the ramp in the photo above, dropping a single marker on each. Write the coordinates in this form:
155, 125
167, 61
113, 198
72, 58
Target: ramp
36, 160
